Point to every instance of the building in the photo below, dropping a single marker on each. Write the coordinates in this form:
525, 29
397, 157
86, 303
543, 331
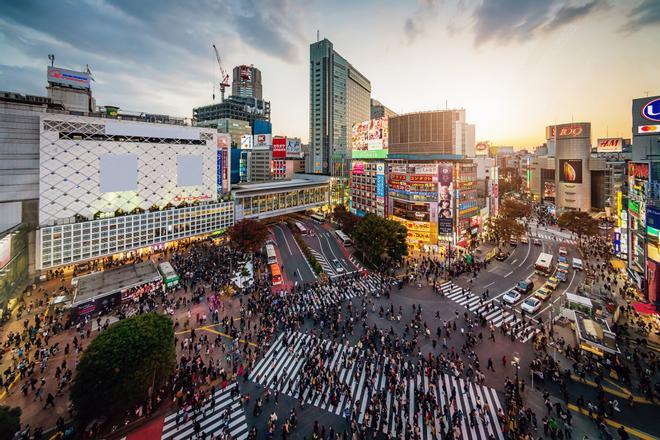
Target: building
642, 201
487, 186
246, 82
378, 110
240, 108
270, 199
70, 89
109, 187
339, 97
14, 261
234, 127
368, 182
432, 132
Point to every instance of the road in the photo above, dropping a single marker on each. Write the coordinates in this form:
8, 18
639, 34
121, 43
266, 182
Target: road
328, 248
295, 265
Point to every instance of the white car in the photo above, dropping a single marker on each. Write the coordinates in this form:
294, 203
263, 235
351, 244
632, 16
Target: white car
337, 265
531, 305
512, 296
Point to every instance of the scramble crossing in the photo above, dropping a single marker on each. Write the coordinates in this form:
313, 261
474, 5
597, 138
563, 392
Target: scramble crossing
385, 393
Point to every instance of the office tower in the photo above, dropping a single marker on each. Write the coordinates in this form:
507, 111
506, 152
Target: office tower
246, 82
378, 110
339, 97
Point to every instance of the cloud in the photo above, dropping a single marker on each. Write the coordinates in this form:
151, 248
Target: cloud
646, 14
505, 21
414, 26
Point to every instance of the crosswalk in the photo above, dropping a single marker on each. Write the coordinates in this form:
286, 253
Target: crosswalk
393, 397
318, 297
547, 236
356, 262
220, 416
325, 265
492, 312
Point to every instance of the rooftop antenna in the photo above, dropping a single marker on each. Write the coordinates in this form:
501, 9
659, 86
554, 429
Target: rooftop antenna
647, 93
318, 38
446, 104
51, 57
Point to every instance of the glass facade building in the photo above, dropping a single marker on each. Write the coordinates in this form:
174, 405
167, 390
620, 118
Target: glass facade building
72, 243
13, 262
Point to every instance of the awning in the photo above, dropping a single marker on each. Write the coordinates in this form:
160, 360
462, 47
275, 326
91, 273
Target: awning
648, 309
578, 299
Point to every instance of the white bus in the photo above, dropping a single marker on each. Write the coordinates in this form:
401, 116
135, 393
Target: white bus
544, 264
301, 228
317, 218
270, 252
343, 238
170, 277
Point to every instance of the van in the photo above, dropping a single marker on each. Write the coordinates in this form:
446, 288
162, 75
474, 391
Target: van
577, 264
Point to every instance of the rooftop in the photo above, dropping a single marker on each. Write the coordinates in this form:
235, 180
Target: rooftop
299, 180
99, 284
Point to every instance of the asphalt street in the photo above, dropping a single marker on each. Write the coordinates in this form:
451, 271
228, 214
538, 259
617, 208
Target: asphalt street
295, 265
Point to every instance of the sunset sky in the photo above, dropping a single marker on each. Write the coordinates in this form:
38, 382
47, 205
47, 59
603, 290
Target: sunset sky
514, 65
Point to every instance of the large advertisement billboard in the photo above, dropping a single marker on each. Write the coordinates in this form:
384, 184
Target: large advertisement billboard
263, 141
570, 170
380, 180
646, 116
246, 142
369, 139
279, 148
445, 201
610, 145
70, 78
293, 148
481, 148
549, 190
638, 170
223, 143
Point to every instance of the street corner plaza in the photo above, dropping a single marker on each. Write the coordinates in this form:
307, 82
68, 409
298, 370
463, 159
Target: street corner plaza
388, 395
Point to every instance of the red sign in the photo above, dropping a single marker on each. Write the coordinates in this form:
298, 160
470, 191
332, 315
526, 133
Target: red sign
421, 178
638, 170
279, 148
397, 177
571, 131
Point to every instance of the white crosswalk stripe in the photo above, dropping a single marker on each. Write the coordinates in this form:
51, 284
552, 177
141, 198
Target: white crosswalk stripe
318, 296
554, 237
323, 262
375, 386
493, 313
226, 414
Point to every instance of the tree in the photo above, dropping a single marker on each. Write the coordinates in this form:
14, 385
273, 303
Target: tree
504, 228
121, 365
379, 239
514, 209
10, 422
578, 222
345, 219
248, 235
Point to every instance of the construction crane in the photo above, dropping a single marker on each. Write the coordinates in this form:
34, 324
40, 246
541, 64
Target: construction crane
224, 81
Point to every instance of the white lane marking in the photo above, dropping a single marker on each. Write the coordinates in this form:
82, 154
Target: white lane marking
285, 239
529, 249
508, 274
489, 284
514, 261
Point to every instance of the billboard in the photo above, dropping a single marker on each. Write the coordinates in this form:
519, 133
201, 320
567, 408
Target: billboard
70, 78
224, 140
246, 142
262, 127
223, 143
380, 180
279, 147
369, 139
570, 170
637, 170
358, 168
646, 116
445, 191
578, 130
549, 190
293, 148
610, 145
5, 250
481, 149
263, 141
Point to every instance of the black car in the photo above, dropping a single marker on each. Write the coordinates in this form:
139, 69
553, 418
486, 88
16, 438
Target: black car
501, 256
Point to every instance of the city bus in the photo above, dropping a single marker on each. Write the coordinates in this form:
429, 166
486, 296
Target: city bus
276, 274
170, 277
270, 252
343, 238
317, 218
301, 228
543, 264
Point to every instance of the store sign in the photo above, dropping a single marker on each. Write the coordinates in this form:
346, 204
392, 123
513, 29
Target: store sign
190, 199
648, 129
610, 145
279, 147
445, 226
246, 142
651, 110
421, 178
481, 149
633, 206
380, 180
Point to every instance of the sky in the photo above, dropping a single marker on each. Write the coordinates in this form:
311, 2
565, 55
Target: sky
516, 66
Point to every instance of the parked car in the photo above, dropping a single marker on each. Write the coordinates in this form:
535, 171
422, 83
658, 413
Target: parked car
552, 283
337, 266
512, 296
531, 305
543, 293
524, 286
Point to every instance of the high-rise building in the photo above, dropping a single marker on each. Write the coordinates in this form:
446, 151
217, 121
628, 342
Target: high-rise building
339, 97
246, 82
432, 132
234, 107
378, 110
